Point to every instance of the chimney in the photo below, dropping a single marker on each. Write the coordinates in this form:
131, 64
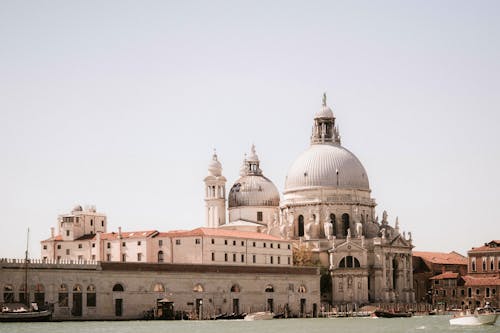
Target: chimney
120, 232
52, 232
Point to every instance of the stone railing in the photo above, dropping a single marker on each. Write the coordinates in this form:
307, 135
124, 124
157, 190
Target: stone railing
40, 262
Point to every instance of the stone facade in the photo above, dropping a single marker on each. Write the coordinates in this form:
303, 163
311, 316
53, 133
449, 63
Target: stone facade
115, 291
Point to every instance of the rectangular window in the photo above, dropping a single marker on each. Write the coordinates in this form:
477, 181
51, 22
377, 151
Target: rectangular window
67, 252
45, 247
139, 256
225, 256
124, 244
234, 257
91, 223
254, 258
213, 256
59, 246
177, 242
63, 300
80, 246
259, 216
197, 241
138, 243
213, 241
254, 244
264, 244
271, 245
279, 260
108, 245
288, 247
225, 241
160, 242
93, 244
102, 223
93, 257
290, 287
462, 292
91, 299
279, 246
288, 260
67, 233
242, 243
234, 243
272, 260
108, 257
242, 258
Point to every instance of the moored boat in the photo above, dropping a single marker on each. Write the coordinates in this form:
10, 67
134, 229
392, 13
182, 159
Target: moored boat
263, 315
482, 316
15, 312
388, 314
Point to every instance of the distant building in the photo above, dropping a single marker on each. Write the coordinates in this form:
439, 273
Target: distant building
431, 265
482, 283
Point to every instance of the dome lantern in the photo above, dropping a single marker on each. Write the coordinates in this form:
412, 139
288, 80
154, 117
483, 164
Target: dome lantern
324, 130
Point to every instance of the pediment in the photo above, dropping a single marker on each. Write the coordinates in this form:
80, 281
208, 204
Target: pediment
400, 242
348, 247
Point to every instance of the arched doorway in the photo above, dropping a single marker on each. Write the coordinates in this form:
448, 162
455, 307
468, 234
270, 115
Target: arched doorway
117, 290
76, 309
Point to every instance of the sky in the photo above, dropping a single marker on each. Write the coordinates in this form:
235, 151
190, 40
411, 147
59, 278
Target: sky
119, 104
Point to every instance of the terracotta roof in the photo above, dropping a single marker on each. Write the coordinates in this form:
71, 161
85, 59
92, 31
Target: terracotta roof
218, 232
452, 258
481, 281
493, 246
445, 275
128, 234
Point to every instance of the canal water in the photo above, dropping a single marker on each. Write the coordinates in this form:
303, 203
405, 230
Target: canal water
427, 324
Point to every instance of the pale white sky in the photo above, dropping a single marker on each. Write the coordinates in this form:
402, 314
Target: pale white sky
120, 103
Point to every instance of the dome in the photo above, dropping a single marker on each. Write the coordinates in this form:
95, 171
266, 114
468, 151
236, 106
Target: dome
214, 166
318, 167
325, 112
253, 190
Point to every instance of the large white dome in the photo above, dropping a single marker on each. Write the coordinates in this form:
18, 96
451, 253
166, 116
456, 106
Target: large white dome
324, 165
252, 190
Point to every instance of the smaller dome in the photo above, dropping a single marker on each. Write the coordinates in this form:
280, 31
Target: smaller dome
214, 166
253, 191
77, 208
325, 112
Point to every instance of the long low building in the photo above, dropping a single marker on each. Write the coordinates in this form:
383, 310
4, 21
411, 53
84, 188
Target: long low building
120, 291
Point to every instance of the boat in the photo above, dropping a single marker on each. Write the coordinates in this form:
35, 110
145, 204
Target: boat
18, 312
482, 316
263, 315
388, 314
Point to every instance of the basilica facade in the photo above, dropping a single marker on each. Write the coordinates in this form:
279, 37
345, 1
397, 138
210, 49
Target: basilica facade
327, 208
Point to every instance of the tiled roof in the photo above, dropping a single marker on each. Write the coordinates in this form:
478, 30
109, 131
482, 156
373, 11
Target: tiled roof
493, 246
481, 281
445, 275
452, 258
126, 234
218, 232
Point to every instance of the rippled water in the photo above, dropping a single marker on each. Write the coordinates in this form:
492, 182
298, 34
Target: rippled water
434, 324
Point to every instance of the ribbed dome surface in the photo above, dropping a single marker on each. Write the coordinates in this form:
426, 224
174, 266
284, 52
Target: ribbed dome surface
253, 190
318, 166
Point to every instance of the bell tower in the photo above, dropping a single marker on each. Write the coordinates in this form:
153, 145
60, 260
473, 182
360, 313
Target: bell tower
215, 194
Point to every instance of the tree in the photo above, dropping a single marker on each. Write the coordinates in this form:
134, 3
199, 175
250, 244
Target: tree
302, 256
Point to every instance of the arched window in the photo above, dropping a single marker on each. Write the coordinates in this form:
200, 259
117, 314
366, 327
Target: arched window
118, 287
301, 289
473, 264
91, 296
484, 264
301, 226
160, 256
8, 293
158, 287
39, 294
345, 224
63, 295
198, 288
333, 221
77, 288
269, 288
235, 288
349, 262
